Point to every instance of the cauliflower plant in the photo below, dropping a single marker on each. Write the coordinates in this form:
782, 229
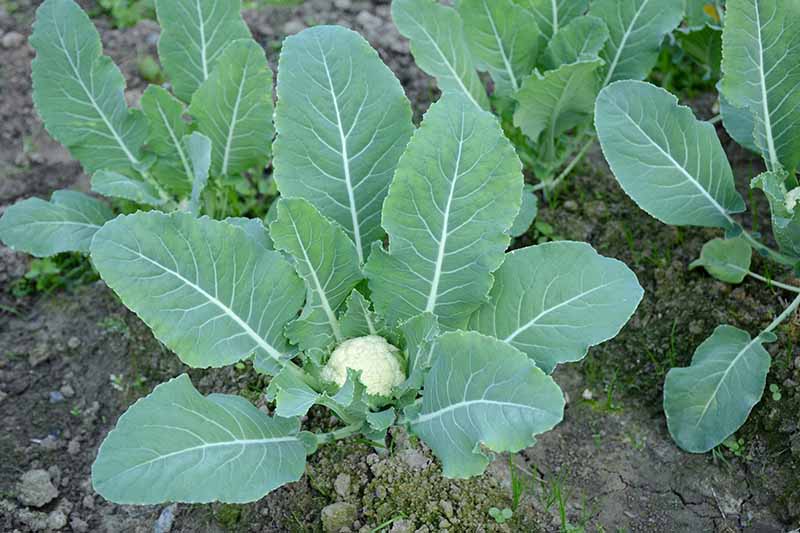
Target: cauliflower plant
374, 357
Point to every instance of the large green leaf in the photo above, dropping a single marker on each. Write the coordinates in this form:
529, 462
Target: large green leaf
343, 121
325, 257
255, 229
785, 211
709, 400
118, 185
739, 123
637, 29
761, 65
580, 40
482, 393
727, 260
198, 150
527, 212
504, 40
437, 40
553, 15
455, 195
167, 129
670, 163
194, 33
555, 300
66, 223
233, 107
177, 445
79, 92
551, 103
359, 320
207, 291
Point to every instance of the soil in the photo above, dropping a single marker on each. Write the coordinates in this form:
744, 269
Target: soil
73, 360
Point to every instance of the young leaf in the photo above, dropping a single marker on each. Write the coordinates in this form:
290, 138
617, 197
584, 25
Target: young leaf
581, 40
292, 396
343, 120
555, 300
709, 400
66, 223
198, 150
727, 260
527, 212
420, 333
193, 35
381, 420
670, 163
324, 256
785, 211
636, 28
201, 285
482, 392
455, 195
177, 445
359, 320
118, 185
504, 40
166, 130
739, 123
437, 40
79, 92
761, 65
233, 107
552, 15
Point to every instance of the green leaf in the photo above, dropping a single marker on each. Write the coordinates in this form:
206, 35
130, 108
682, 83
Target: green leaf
343, 121
66, 223
580, 40
194, 33
292, 396
419, 333
79, 92
702, 13
482, 393
704, 47
761, 66
739, 123
504, 40
636, 28
325, 257
553, 15
785, 212
233, 107
255, 229
437, 40
359, 320
177, 445
670, 163
198, 149
201, 285
167, 128
527, 212
118, 185
556, 101
555, 300
382, 420
709, 400
727, 260
455, 195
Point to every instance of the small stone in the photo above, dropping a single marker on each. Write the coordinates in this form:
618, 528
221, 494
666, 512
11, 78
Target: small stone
342, 485
38, 355
587, 394
78, 525
73, 343
56, 520
36, 489
49, 443
794, 444
3, 396
55, 396
338, 515
571, 206
166, 519
369, 21
74, 447
416, 460
88, 501
401, 526
293, 26
447, 508
67, 391
797, 362
13, 39
342, 4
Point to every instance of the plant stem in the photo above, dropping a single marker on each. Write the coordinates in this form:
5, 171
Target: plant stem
552, 184
338, 434
770, 282
783, 316
766, 250
715, 119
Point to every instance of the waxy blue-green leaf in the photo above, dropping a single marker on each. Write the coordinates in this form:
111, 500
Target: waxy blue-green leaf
527, 212
207, 292
381, 420
555, 300
291, 394
739, 123
325, 257
167, 128
504, 40
785, 210
358, 319
194, 33
709, 400
761, 66
79, 92
670, 163
66, 223
482, 393
580, 40
176, 445
455, 195
437, 40
116, 185
198, 150
553, 15
233, 107
419, 336
551, 103
636, 28
701, 13
343, 121
727, 260
255, 229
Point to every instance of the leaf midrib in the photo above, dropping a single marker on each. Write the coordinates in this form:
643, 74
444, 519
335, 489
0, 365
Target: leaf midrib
623, 42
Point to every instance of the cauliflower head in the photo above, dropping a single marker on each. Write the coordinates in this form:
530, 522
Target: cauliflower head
376, 359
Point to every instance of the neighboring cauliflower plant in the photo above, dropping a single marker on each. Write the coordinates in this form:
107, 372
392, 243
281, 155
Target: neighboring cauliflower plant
443, 332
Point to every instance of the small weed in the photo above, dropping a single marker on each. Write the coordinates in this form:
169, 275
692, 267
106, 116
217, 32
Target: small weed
776, 392
501, 516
